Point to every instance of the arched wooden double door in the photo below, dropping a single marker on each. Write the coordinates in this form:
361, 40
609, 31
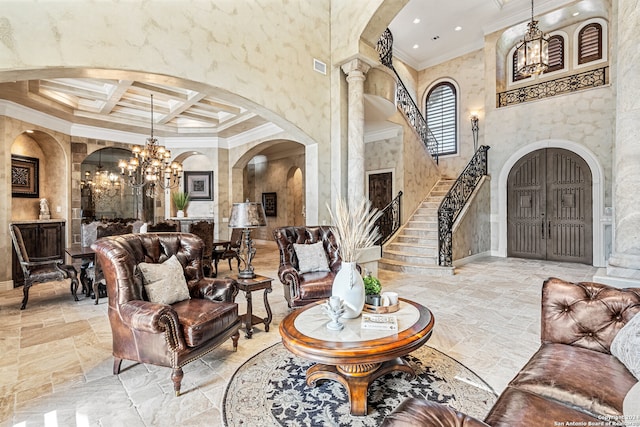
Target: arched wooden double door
549, 207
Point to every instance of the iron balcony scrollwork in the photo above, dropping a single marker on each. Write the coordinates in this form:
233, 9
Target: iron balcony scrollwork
389, 222
454, 201
404, 101
586, 80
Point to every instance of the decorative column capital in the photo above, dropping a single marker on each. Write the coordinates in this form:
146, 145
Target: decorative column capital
355, 68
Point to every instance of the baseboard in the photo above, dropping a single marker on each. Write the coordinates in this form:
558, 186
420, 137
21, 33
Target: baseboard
6, 285
462, 261
615, 281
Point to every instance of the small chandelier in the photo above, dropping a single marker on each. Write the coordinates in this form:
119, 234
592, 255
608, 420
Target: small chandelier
150, 166
103, 184
533, 50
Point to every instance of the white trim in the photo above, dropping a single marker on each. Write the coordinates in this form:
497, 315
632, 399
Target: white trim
605, 43
597, 176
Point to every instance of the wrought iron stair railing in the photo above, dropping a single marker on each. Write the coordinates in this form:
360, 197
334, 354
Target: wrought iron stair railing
404, 101
454, 202
389, 222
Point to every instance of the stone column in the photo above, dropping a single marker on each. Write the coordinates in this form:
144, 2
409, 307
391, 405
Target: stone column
355, 71
625, 259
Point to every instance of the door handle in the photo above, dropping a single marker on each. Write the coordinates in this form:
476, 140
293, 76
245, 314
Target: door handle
542, 226
549, 229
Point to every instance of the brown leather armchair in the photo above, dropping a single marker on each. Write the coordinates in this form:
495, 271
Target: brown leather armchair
302, 289
165, 335
573, 375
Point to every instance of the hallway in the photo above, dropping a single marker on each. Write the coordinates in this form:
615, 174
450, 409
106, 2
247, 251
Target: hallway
56, 359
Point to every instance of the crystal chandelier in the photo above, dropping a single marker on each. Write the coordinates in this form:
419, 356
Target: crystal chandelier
103, 183
533, 50
150, 166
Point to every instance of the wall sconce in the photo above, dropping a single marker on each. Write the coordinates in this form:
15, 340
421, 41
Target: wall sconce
474, 130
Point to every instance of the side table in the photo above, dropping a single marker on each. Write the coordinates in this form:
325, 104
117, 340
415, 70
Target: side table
248, 286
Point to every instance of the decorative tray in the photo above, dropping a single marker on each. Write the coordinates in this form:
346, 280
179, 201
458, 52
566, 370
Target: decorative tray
381, 309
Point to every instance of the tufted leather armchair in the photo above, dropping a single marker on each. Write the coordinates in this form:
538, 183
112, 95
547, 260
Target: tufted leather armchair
165, 335
573, 375
302, 289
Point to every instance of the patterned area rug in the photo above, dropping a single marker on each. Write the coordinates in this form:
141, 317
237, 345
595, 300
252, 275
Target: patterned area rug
270, 390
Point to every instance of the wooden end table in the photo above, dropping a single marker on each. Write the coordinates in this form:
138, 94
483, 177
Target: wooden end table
248, 286
355, 357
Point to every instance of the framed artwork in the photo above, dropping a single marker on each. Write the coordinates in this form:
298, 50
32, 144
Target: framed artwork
24, 177
270, 204
199, 185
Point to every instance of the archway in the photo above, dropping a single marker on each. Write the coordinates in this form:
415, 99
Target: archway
295, 198
597, 175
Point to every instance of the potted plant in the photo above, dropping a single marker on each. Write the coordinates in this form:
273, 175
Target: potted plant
354, 228
372, 288
180, 200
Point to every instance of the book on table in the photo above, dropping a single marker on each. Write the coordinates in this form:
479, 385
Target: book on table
379, 321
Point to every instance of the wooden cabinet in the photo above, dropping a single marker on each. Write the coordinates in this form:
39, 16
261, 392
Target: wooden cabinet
43, 240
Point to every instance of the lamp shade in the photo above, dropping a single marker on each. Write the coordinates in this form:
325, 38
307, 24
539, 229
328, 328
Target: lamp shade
247, 215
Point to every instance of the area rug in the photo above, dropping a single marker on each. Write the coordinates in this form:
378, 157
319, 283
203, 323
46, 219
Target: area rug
270, 390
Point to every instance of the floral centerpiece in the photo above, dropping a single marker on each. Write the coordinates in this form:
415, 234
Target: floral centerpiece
354, 228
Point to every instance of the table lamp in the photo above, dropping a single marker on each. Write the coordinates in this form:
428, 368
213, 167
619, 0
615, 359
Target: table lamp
247, 215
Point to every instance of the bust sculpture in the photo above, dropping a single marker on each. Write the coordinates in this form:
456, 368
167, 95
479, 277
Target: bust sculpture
45, 213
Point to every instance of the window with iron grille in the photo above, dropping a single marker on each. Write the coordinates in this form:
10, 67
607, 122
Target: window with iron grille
442, 113
556, 53
590, 43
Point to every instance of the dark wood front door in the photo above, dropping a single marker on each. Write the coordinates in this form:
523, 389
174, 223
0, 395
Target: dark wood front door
380, 189
549, 207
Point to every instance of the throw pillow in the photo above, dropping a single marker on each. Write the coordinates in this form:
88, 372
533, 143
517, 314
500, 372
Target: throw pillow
631, 404
311, 257
626, 345
165, 283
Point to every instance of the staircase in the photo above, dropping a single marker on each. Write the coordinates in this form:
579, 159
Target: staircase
415, 248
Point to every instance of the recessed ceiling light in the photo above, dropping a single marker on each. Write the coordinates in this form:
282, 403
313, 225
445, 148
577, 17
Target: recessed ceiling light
415, 46
28, 131
458, 28
416, 21
576, 13
435, 37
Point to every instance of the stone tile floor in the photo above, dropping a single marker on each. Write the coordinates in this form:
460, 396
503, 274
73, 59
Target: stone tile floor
56, 364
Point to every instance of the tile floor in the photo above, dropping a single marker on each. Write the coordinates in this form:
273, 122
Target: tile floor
55, 362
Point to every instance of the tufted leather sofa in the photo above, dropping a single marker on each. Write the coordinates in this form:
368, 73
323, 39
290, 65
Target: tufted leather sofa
302, 289
571, 378
165, 335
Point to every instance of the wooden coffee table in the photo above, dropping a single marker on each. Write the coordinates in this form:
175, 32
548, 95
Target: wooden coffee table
355, 357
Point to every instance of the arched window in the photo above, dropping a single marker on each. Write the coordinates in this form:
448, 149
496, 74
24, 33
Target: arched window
515, 76
590, 43
442, 113
556, 53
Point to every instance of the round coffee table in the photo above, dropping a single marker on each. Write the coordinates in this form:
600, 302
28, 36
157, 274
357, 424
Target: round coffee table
355, 357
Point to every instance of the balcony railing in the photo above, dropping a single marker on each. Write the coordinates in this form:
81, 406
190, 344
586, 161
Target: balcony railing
455, 200
404, 101
586, 80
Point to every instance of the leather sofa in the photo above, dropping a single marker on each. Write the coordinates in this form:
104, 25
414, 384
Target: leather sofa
572, 378
303, 288
170, 335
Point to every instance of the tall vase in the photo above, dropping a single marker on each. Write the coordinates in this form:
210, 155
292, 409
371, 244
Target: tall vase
349, 286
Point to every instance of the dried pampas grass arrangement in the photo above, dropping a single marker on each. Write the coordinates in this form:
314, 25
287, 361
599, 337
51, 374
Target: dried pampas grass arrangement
354, 227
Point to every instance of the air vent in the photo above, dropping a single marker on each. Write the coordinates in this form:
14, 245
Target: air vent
319, 66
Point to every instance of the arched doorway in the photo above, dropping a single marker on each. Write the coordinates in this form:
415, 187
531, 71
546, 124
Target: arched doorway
295, 198
549, 207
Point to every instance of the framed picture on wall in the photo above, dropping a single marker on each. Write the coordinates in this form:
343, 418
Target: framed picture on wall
199, 185
24, 176
270, 204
